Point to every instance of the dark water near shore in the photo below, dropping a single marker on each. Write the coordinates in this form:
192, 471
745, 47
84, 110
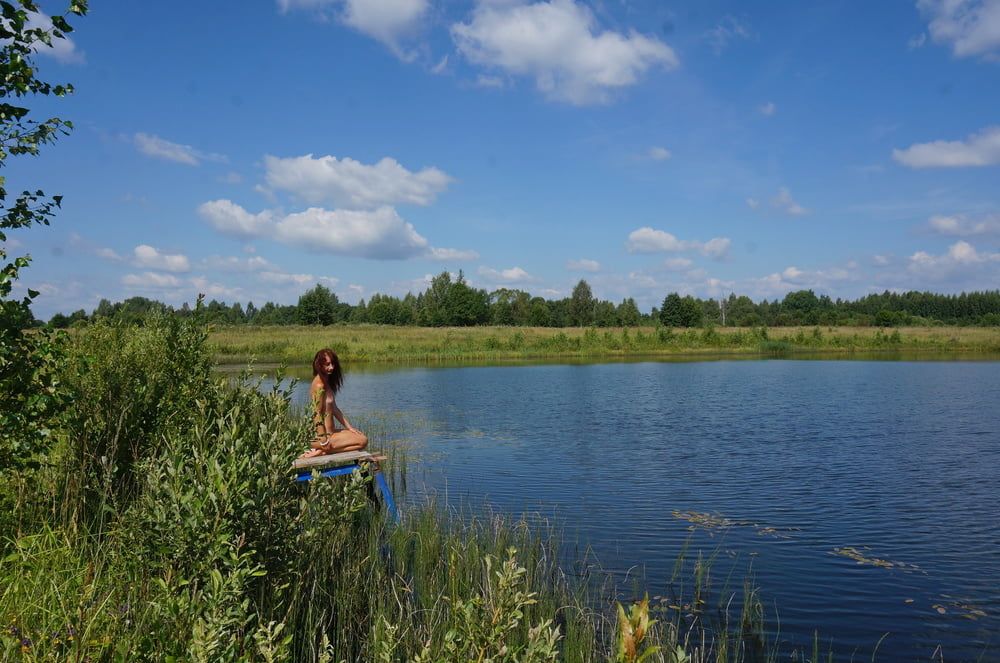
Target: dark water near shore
896, 460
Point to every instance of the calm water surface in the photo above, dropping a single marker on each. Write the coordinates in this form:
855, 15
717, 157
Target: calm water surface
898, 460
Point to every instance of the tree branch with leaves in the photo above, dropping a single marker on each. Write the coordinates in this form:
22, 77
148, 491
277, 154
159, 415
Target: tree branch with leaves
31, 396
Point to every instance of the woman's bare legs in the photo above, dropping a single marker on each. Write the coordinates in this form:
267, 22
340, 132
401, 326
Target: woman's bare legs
335, 443
345, 440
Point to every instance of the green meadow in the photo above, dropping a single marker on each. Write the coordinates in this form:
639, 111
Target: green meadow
393, 344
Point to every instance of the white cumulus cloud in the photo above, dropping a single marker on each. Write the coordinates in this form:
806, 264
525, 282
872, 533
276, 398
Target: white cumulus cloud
63, 50
658, 153
960, 254
235, 264
979, 149
677, 264
970, 27
716, 247
559, 44
650, 240
960, 226
214, 289
385, 20
512, 275
108, 254
441, 67
482, 80
149, 257
380, 233
160, 148
784, 202
388, 21
230, 219
792, 273
727, 30
583, 265
458, 255
351, 183
793, 278
284, 278
150, 280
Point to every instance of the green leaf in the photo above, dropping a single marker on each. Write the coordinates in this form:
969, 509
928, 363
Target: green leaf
59, 23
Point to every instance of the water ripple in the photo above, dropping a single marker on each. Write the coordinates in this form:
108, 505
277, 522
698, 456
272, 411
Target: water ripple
895, 461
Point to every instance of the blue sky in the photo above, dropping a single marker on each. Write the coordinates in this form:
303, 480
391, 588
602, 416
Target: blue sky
249, 150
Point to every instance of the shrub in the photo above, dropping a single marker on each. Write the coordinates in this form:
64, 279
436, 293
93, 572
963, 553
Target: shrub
131, 386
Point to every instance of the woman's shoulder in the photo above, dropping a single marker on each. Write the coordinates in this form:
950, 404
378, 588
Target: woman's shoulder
317, 383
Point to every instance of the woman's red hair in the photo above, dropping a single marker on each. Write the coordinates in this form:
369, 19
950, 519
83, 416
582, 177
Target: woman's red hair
336, 378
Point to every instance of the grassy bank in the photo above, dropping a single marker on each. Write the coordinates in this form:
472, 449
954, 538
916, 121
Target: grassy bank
378, 343
163, 525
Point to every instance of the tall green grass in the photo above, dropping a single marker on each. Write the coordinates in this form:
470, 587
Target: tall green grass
375, 343
165, 526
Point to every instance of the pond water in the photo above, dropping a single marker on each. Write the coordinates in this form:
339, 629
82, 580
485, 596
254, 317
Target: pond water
819, 474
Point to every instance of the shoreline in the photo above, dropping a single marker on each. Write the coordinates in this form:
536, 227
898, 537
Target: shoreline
376, 345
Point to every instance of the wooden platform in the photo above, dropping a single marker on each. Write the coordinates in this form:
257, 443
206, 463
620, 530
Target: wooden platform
348, 462
332, 460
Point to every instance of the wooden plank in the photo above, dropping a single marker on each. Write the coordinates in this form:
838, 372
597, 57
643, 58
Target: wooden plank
344, 458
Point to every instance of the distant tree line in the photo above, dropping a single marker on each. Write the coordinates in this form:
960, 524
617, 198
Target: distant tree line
452, 302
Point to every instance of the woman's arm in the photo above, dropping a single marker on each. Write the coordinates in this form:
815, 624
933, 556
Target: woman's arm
335, 411
319, 416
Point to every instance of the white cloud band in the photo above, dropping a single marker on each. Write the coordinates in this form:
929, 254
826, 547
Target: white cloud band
160, 148
979, 149
650, 240
346, 182
380, 234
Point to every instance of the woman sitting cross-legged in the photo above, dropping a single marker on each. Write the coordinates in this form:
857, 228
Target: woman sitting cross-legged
327, 380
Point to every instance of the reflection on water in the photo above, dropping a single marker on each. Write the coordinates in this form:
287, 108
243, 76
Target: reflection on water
864, 492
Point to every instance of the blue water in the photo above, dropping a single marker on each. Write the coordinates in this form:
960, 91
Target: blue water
898, 460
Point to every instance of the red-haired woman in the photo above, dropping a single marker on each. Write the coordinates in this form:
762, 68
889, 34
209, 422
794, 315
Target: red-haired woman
327, 379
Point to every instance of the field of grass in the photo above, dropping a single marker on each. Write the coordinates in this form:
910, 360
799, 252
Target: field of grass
388, 344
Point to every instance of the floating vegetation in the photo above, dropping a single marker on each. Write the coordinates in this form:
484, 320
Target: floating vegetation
862, 556
774, 531
710, 522
961, 607
686, 608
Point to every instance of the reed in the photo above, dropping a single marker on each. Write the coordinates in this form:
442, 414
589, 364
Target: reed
390, 344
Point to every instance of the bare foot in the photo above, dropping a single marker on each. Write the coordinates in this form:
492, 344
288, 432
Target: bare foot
312, 453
